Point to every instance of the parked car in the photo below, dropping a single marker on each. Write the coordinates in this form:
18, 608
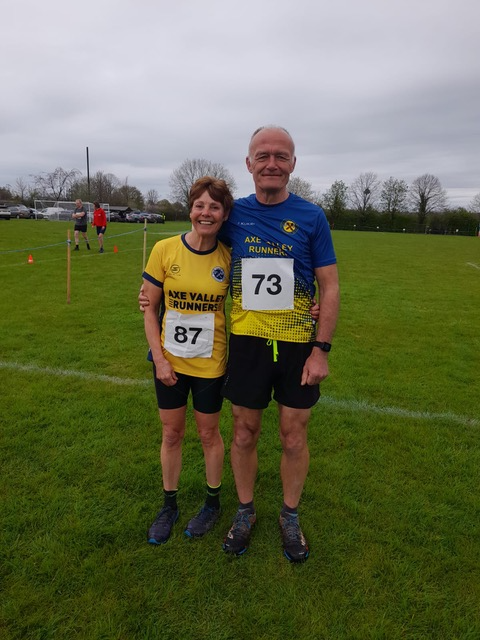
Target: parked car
29, 213
53, 213
4, 214
19, 211
133, 216
159, 218
116, 216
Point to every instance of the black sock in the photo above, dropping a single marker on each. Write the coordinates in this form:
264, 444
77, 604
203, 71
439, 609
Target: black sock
170, 499
246, 506
213, 496
288, 512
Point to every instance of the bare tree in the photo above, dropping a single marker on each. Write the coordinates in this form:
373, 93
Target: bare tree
426, 196
22, 189
475, 204
128, 195
363, 192
393, 197
151, 199
301, 188
102, 187
56, 185
189, 171
335, 199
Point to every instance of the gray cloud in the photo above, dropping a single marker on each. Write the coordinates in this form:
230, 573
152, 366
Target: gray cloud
373, 86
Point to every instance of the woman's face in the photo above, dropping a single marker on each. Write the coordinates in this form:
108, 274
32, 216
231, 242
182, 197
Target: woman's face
207, 215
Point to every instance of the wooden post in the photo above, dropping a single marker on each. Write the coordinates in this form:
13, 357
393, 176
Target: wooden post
144, 245
69, 243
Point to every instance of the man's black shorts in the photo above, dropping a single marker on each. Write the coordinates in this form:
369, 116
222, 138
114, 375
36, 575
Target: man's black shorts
206, 393
252, 374
80, 227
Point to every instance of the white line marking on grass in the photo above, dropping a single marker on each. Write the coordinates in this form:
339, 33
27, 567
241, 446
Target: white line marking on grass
347, 405
360, 405
70, 373
472, 264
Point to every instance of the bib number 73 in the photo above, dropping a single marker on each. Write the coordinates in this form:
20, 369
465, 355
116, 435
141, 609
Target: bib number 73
267, 284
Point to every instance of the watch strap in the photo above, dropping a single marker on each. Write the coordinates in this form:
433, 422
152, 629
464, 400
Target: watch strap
324, 346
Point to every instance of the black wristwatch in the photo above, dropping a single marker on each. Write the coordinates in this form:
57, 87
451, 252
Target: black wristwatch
324, 346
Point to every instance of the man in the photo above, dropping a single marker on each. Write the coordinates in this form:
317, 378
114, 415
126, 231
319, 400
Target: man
80, 216
280, 245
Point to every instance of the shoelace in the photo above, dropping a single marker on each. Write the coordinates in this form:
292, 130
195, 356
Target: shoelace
242, 523
204, 514
292, 529
165, 516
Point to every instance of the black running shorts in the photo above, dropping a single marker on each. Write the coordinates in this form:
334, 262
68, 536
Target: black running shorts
206, 393
252, 374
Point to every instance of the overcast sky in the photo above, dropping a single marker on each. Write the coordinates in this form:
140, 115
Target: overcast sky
384, 86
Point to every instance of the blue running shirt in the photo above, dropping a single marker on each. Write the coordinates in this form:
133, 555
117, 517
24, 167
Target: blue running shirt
275, 249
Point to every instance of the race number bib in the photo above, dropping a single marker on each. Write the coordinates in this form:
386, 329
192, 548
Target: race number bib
189, 336
267, 284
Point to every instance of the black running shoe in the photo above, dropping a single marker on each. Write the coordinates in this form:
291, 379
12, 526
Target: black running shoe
202, 522
295, 546
162, 526
237, 539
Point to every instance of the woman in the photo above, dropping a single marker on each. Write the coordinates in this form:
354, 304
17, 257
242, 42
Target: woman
100, 222
186, 282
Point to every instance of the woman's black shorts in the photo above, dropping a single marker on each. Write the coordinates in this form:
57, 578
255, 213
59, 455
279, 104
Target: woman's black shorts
206, 393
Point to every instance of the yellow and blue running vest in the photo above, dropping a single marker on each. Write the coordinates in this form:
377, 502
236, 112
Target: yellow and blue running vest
275, 249
195, 286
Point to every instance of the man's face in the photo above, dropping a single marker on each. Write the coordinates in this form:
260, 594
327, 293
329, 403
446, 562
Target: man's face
271, 160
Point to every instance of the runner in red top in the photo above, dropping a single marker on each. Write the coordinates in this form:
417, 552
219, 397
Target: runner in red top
100, 222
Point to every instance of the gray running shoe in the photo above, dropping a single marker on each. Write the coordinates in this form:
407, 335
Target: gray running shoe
295, 546
162, 526
200, 524
237, 539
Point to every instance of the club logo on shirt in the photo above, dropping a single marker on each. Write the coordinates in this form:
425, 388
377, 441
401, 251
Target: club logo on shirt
289, 226
218, 274
174, 269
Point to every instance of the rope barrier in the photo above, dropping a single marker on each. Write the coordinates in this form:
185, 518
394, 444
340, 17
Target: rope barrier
60, 244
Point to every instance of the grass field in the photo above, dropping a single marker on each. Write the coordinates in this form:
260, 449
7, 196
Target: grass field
391, 506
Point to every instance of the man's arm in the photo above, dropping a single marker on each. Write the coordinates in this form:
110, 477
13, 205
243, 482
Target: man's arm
164, 369
316, 365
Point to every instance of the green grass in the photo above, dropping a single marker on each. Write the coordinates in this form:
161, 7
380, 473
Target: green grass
391, 506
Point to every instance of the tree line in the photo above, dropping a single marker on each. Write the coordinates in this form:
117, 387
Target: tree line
367, 203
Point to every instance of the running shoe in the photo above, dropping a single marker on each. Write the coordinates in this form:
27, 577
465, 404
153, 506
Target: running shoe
202, 522
295, 546
162, 526
237, 539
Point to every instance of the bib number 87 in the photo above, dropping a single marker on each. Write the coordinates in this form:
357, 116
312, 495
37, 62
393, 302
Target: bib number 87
181, 334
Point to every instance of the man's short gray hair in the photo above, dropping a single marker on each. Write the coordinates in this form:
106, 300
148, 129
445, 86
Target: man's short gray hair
269, 127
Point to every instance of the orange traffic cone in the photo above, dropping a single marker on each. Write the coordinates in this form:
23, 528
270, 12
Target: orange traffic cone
30, 259
115, 250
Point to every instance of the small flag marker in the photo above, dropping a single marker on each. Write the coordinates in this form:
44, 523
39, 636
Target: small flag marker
115, 250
